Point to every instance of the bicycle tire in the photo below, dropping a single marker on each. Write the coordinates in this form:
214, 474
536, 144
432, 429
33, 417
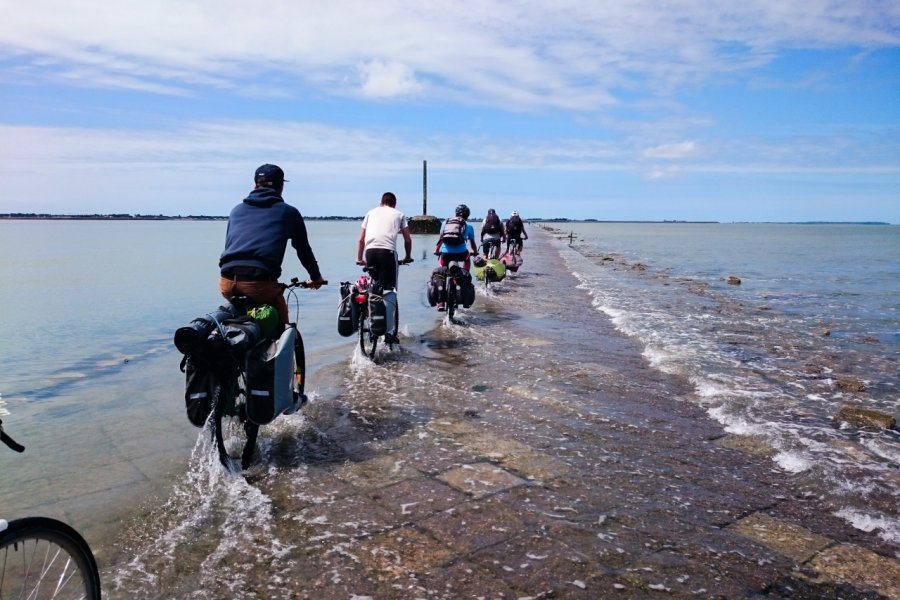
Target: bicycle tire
218, 417
451, 299
367, 341
228, 428
397, 318
299, 367
43, 558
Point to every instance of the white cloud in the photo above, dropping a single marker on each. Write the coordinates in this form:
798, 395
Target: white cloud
662, 173
672, 151
568, 54
387, 80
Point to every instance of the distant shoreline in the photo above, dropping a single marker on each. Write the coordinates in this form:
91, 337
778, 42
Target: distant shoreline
138, 217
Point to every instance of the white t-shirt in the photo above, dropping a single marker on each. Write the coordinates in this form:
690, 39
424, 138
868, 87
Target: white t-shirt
382, 224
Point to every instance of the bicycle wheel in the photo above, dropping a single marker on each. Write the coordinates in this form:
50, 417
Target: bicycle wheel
235, 434
299, 382
43, 558
367, 341
452, 295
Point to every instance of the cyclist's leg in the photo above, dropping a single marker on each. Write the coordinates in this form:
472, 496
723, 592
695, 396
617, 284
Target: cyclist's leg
385, 261
390, 310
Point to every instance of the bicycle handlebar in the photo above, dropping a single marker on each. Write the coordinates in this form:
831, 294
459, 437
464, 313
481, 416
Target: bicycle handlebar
13, 445
295, 283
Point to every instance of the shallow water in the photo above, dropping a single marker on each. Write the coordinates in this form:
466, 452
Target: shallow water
111, 450
816, 304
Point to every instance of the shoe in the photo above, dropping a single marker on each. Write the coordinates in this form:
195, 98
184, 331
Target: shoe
391, 339
440, 306
299, 400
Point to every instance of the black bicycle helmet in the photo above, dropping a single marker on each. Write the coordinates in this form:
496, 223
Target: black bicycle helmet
463, 211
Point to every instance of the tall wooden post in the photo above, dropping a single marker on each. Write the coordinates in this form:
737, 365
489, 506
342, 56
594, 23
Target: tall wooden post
424, 223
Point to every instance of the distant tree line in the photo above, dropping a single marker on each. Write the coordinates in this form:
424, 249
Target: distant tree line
139, 217
108, 217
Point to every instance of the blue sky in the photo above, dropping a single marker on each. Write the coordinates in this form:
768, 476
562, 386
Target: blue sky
759, 110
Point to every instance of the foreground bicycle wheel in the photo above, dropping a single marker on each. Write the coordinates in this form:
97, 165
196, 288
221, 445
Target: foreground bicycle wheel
235, 434
43, 558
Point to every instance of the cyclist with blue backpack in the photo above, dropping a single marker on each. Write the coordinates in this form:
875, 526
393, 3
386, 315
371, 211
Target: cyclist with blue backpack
452, 241
455, 232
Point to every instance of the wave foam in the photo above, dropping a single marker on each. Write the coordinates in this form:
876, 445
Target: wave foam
793, 462
887, 528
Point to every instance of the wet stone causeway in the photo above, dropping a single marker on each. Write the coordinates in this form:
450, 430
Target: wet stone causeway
566, 468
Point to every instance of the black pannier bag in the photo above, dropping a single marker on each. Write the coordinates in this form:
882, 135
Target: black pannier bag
199, 385
466, 289
212, 346
195, 334
377, 310
241, 334
348, 314
435, 286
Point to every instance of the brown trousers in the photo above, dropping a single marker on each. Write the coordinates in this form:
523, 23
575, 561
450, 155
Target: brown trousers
261, 292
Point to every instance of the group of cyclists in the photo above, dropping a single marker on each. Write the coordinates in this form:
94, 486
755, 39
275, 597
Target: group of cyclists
493, 233
260, 227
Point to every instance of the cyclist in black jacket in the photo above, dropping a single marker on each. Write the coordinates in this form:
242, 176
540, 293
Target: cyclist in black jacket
515, 232
492, 234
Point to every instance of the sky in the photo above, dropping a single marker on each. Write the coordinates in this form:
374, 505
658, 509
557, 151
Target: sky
716, 110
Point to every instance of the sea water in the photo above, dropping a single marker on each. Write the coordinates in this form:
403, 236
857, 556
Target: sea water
91, 384
815, 304
90, 379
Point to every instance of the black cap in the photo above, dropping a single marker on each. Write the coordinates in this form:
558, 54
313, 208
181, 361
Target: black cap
269, 175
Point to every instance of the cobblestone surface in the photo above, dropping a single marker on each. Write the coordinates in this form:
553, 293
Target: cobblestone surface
530, 452
583, 475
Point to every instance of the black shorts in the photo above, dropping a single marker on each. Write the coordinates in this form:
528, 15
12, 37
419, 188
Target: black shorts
385, 263
446, 257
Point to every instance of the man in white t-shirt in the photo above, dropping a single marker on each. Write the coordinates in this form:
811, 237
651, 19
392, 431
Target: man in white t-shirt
378, 248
